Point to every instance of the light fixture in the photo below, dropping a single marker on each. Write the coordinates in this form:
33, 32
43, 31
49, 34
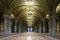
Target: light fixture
12, 16
58, 9
29, 3
47, 16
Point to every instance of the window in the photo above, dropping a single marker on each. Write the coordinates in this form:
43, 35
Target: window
30, 29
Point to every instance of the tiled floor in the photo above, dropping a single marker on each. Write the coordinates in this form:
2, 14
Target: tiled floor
28, 36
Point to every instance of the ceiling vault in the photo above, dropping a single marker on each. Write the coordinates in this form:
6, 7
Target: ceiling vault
29, 12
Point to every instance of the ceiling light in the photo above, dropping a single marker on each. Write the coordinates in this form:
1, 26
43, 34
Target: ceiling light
29, 3
12, 16
58, 9
47, 16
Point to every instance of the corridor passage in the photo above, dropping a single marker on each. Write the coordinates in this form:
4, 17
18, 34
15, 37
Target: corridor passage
29, 36
29, 19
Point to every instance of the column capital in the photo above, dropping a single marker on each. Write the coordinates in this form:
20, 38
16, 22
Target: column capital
6, 12
6, 16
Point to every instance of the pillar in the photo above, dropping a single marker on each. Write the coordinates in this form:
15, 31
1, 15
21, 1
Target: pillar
10, 24
24, 28
40, 28
15, 27
59, 27
0, 27
19, 28
59, 24
52, 23
47, 26
43, 27
7, 27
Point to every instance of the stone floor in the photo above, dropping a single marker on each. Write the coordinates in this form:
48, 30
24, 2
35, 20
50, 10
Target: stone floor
3, 36
29, 36
57, 35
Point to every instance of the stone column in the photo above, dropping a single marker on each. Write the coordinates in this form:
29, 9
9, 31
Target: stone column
59, 23
35, 29
40, 28
19, 28
52, 23
15, 27
0, 27
7, 28
24, 28
57, 27
10, 24
43, 27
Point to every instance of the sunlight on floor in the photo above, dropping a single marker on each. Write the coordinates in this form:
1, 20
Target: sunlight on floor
29, 38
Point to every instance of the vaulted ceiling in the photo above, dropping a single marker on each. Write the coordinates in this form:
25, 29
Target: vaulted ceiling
26, 14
